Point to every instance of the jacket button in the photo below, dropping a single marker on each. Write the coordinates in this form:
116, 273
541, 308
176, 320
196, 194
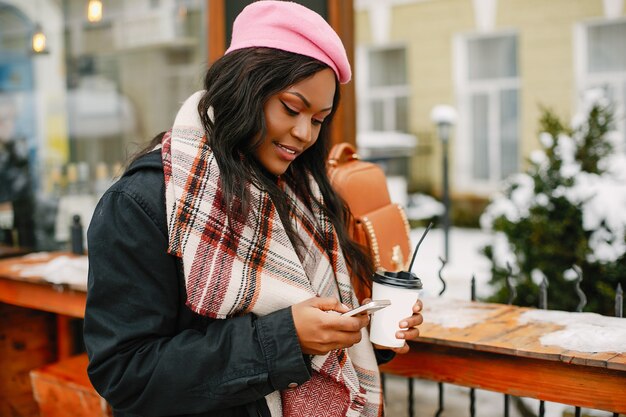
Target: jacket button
293, 385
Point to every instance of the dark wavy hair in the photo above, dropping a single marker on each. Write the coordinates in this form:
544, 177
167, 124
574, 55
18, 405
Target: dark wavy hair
237, 87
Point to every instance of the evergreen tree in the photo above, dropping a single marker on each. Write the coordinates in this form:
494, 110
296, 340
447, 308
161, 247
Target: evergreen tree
564, 211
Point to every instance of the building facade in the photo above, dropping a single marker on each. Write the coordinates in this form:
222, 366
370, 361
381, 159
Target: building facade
106, 80
497, 62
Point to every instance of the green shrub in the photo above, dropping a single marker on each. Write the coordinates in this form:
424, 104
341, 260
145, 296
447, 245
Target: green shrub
568, 208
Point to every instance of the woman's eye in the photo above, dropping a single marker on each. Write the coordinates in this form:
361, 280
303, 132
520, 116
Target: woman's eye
289, 109
317, 122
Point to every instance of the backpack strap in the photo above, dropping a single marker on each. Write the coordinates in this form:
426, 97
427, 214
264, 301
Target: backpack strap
341, 153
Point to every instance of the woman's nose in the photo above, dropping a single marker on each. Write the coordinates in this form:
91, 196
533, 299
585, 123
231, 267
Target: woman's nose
302, 129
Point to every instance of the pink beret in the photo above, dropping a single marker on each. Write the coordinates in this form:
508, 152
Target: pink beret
293, 28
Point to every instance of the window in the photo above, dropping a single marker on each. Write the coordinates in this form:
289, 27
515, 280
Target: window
488, 84
18, 127
78, 112
602, 64
383, 89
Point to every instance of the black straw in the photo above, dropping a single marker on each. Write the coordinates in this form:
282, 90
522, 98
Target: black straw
418, 245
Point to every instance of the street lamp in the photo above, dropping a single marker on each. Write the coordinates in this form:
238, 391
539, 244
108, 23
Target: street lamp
38, 41
444, 117
94, 11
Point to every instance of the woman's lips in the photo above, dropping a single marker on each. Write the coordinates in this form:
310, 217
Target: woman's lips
287, 153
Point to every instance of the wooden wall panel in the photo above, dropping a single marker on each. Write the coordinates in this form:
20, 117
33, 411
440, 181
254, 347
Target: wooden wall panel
216, 29
341, 18
27, 341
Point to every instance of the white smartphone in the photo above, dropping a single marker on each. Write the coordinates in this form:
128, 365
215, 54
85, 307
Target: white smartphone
368, 308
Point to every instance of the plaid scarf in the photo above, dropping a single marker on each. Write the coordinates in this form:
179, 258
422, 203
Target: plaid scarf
232, 268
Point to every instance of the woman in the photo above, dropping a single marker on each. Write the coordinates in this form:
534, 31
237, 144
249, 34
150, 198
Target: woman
219, 262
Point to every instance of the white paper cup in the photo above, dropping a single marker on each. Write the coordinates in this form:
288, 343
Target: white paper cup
386, 322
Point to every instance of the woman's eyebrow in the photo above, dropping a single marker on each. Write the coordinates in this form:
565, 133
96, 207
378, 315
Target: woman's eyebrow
306, 102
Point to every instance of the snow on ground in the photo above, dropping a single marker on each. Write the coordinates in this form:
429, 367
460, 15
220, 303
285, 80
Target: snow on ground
465, 261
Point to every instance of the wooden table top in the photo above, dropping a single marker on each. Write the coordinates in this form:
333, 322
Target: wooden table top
10, 251
486, 327
35, 292
504, 329
499, 348
15, 268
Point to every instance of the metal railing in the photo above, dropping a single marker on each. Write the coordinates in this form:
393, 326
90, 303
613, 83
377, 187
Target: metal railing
512, 294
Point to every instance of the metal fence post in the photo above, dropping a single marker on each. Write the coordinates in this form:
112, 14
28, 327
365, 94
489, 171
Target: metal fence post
512, 295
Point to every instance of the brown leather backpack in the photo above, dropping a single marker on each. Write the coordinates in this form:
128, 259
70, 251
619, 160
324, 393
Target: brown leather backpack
378, 223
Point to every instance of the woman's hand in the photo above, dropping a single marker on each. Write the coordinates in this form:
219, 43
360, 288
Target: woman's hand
321, 329
410, 323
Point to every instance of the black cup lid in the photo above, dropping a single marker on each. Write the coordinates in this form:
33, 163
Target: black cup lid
402, 279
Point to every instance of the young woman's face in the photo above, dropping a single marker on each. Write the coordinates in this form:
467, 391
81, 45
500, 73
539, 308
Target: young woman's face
293, 119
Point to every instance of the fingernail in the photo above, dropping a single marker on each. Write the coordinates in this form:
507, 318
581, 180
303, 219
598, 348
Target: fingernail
404, 324
399, 335
346, 307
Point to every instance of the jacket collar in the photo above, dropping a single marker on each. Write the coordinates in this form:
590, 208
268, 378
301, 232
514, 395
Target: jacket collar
151, 160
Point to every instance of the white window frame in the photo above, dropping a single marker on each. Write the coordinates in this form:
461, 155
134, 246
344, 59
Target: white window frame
464, 152
586, 80
386, 94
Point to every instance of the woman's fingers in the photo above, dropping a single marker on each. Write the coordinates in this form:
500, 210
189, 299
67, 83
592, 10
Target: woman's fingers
414, 320
404, 349
355, 325
411, 323
409, 334
327, 304
320, 328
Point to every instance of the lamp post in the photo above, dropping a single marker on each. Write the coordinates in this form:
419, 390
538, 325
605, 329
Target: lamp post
444, 117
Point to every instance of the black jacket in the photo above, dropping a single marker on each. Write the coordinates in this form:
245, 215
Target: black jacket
149, 354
